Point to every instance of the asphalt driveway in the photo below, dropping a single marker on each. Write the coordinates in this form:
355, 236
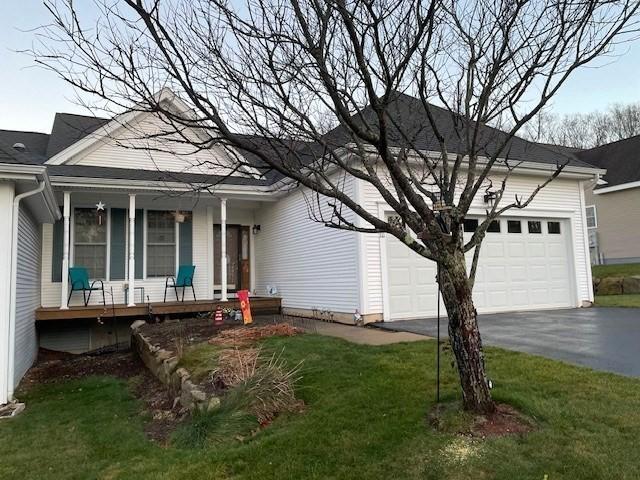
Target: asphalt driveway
601, 338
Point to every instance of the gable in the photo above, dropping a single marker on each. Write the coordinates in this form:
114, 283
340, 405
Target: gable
147, 142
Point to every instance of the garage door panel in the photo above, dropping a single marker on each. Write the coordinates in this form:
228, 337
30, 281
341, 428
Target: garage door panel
536, 250
400, 276
517, 250
517, 271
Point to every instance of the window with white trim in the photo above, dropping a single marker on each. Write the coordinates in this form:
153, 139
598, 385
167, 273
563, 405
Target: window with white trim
161, 243
90, 242
592, 219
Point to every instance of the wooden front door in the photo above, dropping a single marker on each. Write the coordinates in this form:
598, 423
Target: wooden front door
238, 258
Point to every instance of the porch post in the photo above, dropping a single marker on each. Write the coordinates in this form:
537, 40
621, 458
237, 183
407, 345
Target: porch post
223, 248
66, 211
132, 244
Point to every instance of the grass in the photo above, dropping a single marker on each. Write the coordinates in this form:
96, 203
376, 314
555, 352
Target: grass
365, 418
626, 300
622, 270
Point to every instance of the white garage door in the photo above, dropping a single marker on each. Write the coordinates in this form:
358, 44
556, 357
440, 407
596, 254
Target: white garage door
524, 264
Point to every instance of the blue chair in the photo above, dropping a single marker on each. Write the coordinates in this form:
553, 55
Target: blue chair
79, 278
183, 280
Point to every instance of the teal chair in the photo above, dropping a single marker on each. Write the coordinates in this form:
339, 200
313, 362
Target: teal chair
183, 280
79, 279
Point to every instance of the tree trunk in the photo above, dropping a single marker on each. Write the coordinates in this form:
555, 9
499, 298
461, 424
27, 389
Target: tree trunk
465, 336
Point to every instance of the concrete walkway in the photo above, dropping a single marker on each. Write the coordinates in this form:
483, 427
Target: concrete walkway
365, 336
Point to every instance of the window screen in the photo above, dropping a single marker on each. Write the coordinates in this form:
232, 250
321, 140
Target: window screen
161, 244
90, 242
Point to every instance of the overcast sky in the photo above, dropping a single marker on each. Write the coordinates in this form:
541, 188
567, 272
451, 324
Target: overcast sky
29, 96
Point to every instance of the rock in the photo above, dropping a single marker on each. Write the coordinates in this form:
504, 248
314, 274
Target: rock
198, 395
213, 404
610, 286
631, 284
137, 324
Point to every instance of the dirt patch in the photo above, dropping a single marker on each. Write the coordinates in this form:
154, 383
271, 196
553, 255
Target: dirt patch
506, 420
55, 367
172, 334
243, 337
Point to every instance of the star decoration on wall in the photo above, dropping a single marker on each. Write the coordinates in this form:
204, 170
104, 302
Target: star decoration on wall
100, 206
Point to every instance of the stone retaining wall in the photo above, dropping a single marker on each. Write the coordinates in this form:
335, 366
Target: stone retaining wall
164, 365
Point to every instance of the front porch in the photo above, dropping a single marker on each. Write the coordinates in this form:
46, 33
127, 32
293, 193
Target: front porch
138, 240
259, 306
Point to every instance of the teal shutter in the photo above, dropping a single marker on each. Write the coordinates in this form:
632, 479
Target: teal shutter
186, 242
56, 253
118, 243
139, 244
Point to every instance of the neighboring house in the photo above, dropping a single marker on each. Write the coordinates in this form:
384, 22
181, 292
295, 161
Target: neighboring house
613, 202
156, 217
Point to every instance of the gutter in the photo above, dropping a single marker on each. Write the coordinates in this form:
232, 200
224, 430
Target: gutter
14, 277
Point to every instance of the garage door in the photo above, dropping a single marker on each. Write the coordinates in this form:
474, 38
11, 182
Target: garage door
524, 264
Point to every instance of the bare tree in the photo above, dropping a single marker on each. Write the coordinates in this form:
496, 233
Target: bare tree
585, 130
266, 76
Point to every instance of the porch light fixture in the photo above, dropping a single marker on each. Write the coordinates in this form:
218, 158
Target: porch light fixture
489, 196
256, 229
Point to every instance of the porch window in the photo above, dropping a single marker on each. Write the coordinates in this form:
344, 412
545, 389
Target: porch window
161, 244
90, 242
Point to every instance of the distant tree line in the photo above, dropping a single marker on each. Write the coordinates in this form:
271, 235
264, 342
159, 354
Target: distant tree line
585, 130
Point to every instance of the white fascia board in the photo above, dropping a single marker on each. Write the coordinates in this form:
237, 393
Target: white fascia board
33, 174
617, 188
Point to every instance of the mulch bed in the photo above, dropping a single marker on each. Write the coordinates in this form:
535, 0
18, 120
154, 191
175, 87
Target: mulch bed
193, 330
506, 420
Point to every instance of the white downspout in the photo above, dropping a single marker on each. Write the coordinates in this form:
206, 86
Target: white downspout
14, 278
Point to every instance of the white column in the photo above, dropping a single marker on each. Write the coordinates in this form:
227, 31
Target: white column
211, 261
66, 211
223, 248
132, 246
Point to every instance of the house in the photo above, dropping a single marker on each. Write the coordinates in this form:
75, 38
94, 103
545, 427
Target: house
613, 202
131, 213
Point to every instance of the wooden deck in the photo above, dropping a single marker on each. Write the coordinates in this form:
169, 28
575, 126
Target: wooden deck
259, 306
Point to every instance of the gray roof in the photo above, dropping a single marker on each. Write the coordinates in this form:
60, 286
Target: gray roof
621, 159
409, 127
69, 128
404, 111
10, 155
35, 142
84, 171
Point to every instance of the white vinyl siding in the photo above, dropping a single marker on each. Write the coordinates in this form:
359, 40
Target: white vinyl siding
27, 293
560, 199
311, 265
146, 144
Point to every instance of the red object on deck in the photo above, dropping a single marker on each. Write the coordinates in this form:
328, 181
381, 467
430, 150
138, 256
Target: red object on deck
218, 318
243, 296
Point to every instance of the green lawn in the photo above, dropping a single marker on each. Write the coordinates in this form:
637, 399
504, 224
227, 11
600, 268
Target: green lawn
627, 300
622, 270
365, 419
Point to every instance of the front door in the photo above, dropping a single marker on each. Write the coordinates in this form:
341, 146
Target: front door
238, 263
